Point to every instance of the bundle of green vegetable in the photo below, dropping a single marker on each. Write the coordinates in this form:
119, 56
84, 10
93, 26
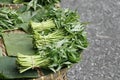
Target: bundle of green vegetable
33, 4
9, 19
41, 2
42, 26
59, 38
6, 1
27, 62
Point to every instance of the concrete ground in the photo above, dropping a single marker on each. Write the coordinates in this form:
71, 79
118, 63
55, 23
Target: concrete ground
101, 60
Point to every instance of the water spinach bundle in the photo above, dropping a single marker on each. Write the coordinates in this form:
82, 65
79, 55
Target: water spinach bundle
58, 40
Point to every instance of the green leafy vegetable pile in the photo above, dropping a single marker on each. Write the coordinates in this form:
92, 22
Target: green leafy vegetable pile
9, 19
58, 36
33, 4
40, 2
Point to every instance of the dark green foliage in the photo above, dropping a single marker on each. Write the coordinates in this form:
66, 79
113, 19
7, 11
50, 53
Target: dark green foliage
9, 19
62, 44
40, 2
6, 1
58, 35
34, 4
65, 46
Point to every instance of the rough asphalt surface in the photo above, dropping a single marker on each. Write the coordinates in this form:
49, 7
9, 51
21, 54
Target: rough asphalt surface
101, 60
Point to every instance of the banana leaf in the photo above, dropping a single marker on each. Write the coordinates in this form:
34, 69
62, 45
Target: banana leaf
8, 70
24, 26
18, 43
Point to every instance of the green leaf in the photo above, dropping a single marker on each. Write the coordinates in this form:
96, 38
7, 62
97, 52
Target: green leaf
32, 4
26, 16
18, 43
23, 26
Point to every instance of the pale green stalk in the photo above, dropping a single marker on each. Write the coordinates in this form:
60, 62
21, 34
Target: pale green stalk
27, 62
45, 25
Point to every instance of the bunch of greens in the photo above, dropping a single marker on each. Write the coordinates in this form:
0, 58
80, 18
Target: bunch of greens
33, 4
58, 36
42, 26
40, 2
61, 17
9, 19
26, 62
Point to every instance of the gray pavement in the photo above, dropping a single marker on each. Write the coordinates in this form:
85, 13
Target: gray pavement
101, 60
